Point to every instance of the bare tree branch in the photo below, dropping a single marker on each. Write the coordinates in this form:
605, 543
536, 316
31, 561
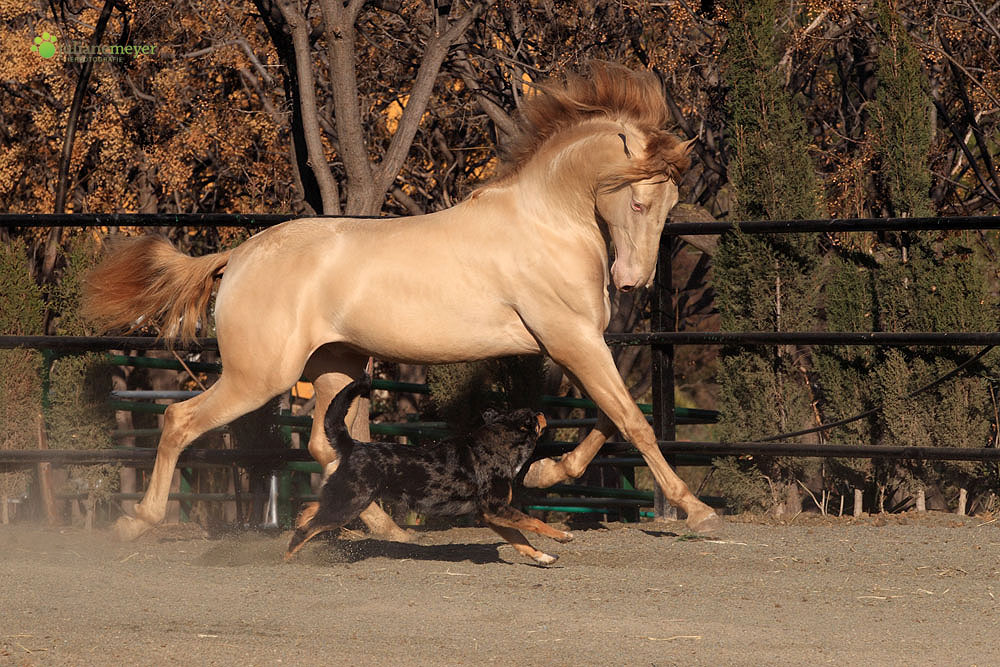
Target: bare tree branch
943, 112
501, 119
420, 94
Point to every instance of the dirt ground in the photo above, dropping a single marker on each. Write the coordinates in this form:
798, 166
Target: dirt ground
885, 591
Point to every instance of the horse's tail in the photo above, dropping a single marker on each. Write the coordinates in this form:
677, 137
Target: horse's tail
336, 429
147, 281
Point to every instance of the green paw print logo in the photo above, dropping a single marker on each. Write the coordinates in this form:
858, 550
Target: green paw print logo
45, 46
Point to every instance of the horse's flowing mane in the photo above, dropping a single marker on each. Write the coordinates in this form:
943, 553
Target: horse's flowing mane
613, 92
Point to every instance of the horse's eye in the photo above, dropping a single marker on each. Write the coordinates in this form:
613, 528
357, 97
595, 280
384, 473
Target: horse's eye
637, 207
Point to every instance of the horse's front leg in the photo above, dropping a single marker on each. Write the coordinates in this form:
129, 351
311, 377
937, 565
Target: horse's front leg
590, 362
571, 465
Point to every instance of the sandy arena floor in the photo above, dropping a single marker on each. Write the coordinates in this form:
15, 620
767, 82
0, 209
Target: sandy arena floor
897, 591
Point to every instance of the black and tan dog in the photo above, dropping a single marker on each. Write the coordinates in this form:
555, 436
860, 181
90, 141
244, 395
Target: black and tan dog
459, 475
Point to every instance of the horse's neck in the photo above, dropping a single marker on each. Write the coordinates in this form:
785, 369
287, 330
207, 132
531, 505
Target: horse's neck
529, 204
563, 176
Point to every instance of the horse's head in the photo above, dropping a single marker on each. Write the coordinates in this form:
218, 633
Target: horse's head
635, 198
606, 129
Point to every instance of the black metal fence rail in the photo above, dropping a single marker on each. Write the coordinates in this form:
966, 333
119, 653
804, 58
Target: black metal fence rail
672, 229
972, 222
194, 458
250, 220
952, 339
102, 343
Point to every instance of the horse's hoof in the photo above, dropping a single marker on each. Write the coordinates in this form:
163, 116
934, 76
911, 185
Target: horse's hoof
128, 528
397, 534
382, 526
544, 473
545, 559
710, 523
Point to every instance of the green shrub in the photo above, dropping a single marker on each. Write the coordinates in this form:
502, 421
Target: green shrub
21, 314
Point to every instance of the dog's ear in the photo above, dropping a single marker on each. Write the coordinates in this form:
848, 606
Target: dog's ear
490, 415
538, 423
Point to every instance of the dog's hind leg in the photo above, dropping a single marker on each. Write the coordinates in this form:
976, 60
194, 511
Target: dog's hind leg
337, 507
331, 369
523, 547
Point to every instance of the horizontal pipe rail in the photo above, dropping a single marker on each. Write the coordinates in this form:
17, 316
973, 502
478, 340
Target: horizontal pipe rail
101, 343
673, 228
831, 450
276, 457
144, 457
805, 338
556, 504
835, 225
894, 339
158, 219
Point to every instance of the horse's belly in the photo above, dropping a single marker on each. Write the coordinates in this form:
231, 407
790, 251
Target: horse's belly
432, 337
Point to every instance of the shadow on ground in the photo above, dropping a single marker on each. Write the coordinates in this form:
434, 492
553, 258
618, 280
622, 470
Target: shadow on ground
250, 549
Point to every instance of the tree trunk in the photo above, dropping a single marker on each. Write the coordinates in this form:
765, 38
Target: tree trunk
788, 500
859, 505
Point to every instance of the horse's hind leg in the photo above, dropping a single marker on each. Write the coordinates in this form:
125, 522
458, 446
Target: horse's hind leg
183, 422
332, 369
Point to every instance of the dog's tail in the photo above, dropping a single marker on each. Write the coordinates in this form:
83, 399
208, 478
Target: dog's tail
312, 522
334, 425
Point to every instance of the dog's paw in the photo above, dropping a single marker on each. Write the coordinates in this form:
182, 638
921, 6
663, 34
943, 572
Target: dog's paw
565, 537
306, 515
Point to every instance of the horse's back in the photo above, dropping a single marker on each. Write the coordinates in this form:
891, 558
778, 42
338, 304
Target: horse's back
405, 289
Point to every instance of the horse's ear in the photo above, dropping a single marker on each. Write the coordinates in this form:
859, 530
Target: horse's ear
628, 153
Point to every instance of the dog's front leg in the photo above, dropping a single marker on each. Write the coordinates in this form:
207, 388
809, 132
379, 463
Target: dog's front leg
516, 539
513, 518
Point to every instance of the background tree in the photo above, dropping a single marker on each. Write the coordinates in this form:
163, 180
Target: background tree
923, 282
79, 415
766, 283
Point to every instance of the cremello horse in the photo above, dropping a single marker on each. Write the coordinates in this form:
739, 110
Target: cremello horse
520, 267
